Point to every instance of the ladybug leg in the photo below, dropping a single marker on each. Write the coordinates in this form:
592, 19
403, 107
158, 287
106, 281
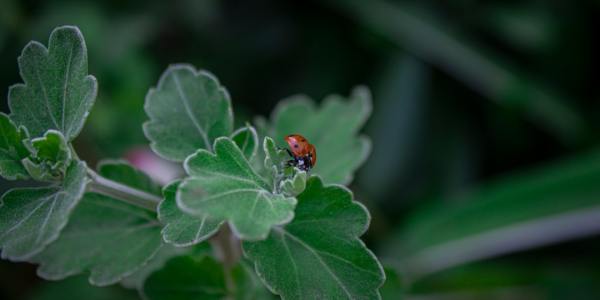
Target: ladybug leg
289, 152
292, 162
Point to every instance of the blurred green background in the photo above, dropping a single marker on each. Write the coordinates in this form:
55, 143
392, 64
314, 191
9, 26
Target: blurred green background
484, 180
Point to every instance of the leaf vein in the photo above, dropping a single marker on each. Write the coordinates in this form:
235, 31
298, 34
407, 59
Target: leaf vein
188, 110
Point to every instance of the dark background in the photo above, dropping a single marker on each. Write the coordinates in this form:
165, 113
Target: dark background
467, 94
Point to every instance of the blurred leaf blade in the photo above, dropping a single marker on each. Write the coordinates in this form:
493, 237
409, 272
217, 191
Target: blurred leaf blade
77, 288
331, 127
187, 277
541, 207
428, 39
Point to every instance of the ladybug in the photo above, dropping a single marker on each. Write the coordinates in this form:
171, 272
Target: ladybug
303, 153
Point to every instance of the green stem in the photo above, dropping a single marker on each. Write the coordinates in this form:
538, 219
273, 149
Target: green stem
227, 248
122, 192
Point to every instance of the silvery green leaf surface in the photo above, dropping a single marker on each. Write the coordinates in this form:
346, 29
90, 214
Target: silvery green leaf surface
539, 207
319, 254
333, 128
106, 237
31, 218
247, 140
12, 149
188, 110
57, 92
275, 157
182, 229
223, 186
295, 185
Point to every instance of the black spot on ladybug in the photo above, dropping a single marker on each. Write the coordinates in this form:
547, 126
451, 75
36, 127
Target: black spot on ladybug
296, 146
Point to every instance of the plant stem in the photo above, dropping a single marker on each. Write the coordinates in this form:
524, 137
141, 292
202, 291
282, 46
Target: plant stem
227, 248
122, 192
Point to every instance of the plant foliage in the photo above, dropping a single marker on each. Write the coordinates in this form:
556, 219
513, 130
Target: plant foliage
300, 236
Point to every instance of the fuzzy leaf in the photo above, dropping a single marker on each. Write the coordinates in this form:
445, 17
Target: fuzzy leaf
295, 185
319, 255
77, 288
12, 149
332, 128
50, 157
223, 186
181, 229
392, 288
57, 92
189, 277
106, 237
157, 262
247, 140
188, 110
31, 218
275, 157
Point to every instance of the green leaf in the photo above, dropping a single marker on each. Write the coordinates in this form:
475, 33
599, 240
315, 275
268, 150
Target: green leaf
247, 140
78, 288
319, 255
275, 157
288, 180
187, 277
50, 157
247, 284
57, 92
181, 229
332, 128
392, 288
223, 186
436, 42
540, 207
106, 237
31, 218
192, 277
295, 185
12, 149
121, 171
188, 110
157, 262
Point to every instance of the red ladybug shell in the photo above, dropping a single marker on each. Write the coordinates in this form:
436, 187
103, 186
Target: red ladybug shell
301, 147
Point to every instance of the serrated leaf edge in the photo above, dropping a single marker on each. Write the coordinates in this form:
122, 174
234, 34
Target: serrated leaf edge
166, 225
357, 237
254, 135
170, 69
191, 212
46, 53
60, 227
20, 129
